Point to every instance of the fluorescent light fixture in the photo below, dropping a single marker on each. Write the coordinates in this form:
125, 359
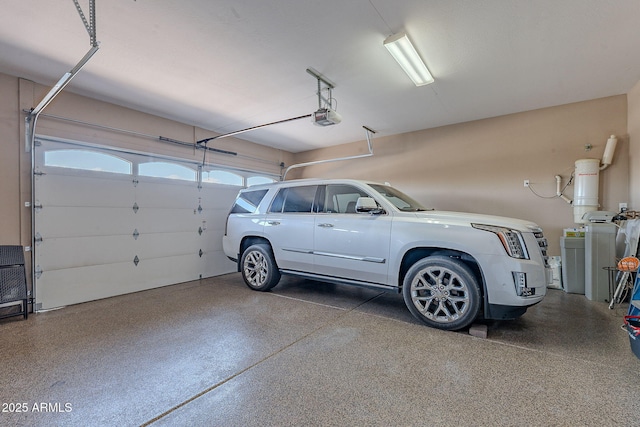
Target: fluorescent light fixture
400, 47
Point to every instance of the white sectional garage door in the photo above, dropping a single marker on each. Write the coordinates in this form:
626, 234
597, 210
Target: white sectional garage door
129, 224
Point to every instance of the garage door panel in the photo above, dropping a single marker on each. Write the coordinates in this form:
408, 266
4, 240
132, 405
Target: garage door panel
86, 251
59, 288
169, 270
167, 244
167, 194
64, 253
216, 227
217, 263
167, 220
219, 198
84, 221
210, 241
95, 224
113, 191
209, 196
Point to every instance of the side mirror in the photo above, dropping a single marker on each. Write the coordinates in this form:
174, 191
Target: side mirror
367, 204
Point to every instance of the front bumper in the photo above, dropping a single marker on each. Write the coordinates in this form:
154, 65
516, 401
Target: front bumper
514, 282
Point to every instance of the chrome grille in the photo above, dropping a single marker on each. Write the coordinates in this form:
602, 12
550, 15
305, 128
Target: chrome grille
542, 242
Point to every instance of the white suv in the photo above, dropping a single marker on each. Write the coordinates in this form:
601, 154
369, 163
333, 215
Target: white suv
451, 267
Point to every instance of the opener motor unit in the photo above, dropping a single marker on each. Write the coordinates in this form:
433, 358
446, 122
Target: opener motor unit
326, 117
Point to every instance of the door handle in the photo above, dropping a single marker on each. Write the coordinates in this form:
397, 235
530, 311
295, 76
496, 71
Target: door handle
273, 222
325, 225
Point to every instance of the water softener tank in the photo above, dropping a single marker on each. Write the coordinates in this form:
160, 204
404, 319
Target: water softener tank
585, 198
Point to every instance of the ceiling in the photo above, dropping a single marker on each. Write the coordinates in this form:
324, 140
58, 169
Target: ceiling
226, 65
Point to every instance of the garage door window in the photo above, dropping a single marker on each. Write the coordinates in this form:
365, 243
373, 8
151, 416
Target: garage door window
166, 170
222, 177
87, 160
255, 180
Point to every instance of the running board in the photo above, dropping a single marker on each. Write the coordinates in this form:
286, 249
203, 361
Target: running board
340, 281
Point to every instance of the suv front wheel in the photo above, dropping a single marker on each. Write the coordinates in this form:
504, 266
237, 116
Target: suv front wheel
442, 292
259, 269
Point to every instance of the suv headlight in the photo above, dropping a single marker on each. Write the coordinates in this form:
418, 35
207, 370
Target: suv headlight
511, 240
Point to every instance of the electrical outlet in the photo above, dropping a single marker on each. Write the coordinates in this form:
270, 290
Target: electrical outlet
526, 182
622, 207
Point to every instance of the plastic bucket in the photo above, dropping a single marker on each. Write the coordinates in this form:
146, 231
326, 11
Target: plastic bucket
632, 325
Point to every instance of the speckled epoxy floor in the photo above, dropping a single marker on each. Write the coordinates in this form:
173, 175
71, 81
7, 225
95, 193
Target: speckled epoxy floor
214, 353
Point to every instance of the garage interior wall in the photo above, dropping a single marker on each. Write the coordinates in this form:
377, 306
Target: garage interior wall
10, 165
481, 166
476, 166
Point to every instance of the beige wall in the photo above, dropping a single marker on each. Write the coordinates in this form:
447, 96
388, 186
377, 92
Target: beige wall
9, 161
476, 166
17, 95
633, 99
480, 166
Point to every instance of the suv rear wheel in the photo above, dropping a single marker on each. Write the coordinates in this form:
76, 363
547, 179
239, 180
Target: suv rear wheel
442, 292
259, 269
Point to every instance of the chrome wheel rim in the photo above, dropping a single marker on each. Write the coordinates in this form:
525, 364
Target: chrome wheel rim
440, 294
256, 269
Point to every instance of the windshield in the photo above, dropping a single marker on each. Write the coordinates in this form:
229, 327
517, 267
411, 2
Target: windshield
398, 198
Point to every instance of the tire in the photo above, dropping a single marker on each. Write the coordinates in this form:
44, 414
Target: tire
442, 292
259, 269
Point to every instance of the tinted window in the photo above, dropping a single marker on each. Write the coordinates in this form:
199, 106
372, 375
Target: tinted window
300, 199
248, 201
294, 199
342, 198
278, 202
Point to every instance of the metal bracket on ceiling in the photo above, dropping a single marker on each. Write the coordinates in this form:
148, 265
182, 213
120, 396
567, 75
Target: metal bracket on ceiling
91, 24
369, 133
32, 117
329, 86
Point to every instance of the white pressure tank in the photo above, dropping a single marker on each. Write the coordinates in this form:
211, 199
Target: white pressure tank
585, 197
